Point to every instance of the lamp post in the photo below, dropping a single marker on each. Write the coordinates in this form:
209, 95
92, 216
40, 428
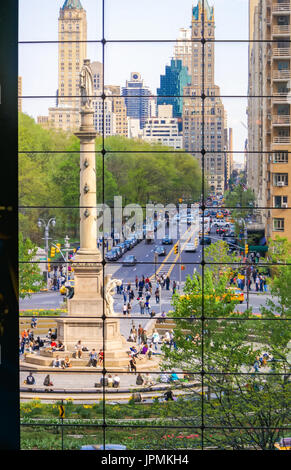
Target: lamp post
46, 225
67, 249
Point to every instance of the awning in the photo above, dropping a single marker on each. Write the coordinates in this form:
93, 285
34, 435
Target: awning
259, 248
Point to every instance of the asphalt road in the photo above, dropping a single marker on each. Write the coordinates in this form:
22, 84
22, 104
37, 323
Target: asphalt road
144, 253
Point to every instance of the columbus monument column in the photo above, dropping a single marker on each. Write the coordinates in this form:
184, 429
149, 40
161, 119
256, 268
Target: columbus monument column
85, 320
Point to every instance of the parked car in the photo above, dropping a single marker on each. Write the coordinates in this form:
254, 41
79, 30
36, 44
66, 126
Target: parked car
128, 244
113, 254
122, 247
129, 260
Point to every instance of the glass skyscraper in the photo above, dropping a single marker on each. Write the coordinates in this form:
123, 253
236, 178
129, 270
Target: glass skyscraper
172, 83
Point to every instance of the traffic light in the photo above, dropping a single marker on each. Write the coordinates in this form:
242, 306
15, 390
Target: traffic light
246, 249
53, 251
58, 249
48, 264
176, 249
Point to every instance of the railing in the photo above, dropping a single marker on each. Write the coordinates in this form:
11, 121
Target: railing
281, 7
281, 74
281, 52
280, 97
281, 29
281, 140
281, 119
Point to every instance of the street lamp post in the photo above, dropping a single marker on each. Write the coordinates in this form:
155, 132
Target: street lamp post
246, 270
67, 249
46, 225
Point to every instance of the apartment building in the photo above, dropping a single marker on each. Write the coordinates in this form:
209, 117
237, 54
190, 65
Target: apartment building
268, 164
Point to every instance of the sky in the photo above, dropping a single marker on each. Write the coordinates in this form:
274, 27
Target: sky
135, 20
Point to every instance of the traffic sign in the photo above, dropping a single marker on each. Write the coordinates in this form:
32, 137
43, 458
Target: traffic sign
62, 411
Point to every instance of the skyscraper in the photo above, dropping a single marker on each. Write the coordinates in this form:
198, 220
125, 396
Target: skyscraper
172, 83
204, 123
136, 97
183, 48
72, 36
72, 27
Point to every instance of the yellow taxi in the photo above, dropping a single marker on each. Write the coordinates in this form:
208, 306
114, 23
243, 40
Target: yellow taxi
70, 283
283, 444
235, 294
219, 215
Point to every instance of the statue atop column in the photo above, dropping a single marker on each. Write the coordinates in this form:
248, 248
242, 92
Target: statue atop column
86, 85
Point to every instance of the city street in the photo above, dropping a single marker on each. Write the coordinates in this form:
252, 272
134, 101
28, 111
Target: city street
169, 265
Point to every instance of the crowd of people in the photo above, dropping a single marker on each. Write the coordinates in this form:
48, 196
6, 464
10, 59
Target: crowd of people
145, 289
255, 278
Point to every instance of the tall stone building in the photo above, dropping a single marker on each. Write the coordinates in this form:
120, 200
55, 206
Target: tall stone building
72, 26
269, 141
119, 109
183, 48
204, 125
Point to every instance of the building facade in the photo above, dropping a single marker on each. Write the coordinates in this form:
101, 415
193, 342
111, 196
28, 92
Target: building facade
204, 122
172, 83
163, 129
136, 98
269, 166
72, 28
183, 48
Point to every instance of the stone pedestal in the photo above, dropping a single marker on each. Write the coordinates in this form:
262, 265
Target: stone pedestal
91, 332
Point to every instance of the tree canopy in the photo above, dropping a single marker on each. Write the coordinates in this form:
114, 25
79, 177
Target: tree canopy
136, 170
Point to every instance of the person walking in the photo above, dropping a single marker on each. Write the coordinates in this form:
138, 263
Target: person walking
261, 283
157, 294
124, 297
136, 282
147, 307
128, 308
257, 283
168, 283
124, 309
139, 333
174, 287
131, 295
144, 338
142, 305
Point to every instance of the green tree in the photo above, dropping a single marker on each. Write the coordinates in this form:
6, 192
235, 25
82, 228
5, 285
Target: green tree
239, 198
211, 337
30, 277
217, 253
